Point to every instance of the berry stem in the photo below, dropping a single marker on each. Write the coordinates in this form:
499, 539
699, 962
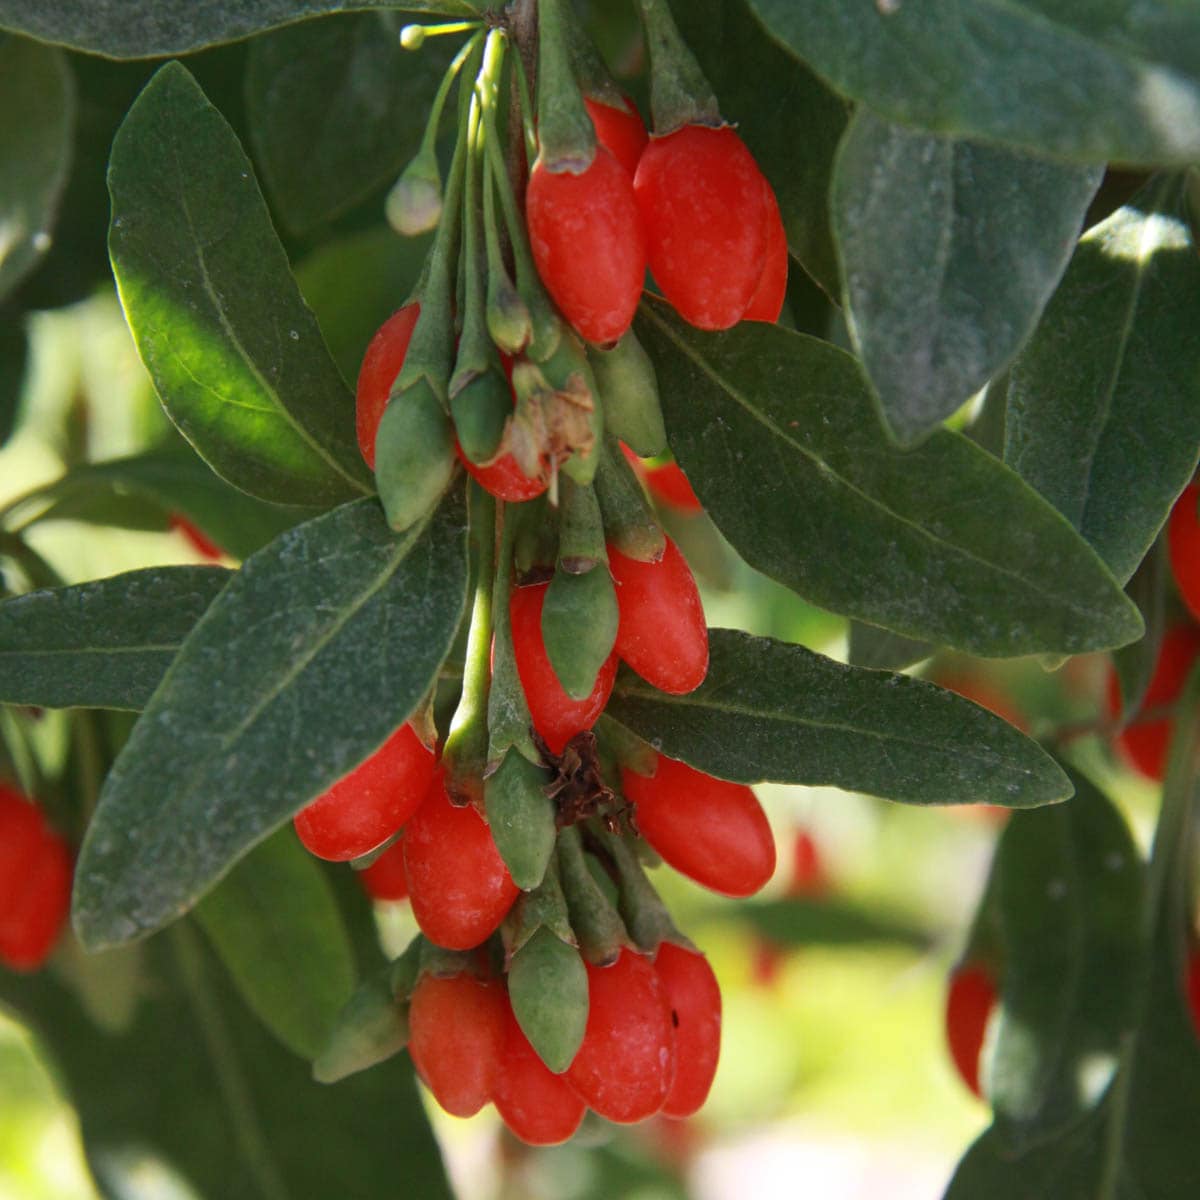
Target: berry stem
580, 529
566, 137
596, 922
642, 910
629, 522
680, 94
413, 37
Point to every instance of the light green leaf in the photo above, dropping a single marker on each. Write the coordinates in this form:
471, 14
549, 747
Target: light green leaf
105, 644
1089, 81
779, 436
235, 354
1104, 403
949, 250
771, 711
320, 647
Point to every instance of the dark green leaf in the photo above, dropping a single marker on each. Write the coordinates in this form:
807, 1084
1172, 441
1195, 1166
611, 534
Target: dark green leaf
779, 435
870, 646
336, 109
1069, 886
767, 710
801, 922
1149, 588
275, 924
787, 117
1104, 403
157, 28
37, 116
235, 354
320, 647
13, 354
195, 1082
1089, 81
105, 644
950, 250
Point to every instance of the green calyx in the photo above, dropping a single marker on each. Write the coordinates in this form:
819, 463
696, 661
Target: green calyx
580, 529
629, 522
481, 408
548, 989
645, 916
566, 136
626, 379
371, 1027
579, 627
521, 817
414, 205
679, 92
596, 922
414, 455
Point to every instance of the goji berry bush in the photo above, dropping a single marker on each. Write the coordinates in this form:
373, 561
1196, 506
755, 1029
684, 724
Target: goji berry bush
493, 343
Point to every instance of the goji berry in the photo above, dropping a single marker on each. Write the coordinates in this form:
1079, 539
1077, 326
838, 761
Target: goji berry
772, 286
620, 131
662, 634
970, 999
1192, 987
456, 1039
380, 365
587, 240
458, 884
808, 873
385, 879
1183, 543
626, 1063
666, 483
504, 479
710, 830
363, 809
555, 715
704, 204
695, 1000
203, 546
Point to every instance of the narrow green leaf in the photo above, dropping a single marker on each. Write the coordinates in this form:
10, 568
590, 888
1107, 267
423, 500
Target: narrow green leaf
1088, 81
334, 109
235, 354
949, 250
1104, 403
105, 644
37, 119
787, 117
779, 436
801, 922
196, 1084
276, 926
318, 649
771, 711
158, 28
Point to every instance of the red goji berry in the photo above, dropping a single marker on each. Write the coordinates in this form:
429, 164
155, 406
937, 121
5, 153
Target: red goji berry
970, 999
385, 879
620, 131
504, 479
1192, 987
35, 883
772, 286
1183, 543
380, 365
695, 1000
204, 546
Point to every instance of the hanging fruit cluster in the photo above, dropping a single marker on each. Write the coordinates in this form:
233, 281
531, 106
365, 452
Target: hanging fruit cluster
548, 977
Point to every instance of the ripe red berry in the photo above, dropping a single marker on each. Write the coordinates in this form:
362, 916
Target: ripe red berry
808, 873
456, 1039
666, 482
1192, 987
703, 201
970, 999
626, 1063
385, 879
695, 1001
537, 1105
587, 240
555, 715
204, 546
35, 883
504, 479
1145, 743
458, 884
1183, 542
620, 131
363, 809
380, 366
709, 830
772, 286
662, 633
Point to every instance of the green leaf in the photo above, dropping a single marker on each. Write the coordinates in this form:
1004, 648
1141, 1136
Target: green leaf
197, 1084
319, 648
827, 922
870, 646
1089, 81
1104, 403
950, 250
275, 924
158, 28
105, 644
236, 356
14, 351
1148, 589
779, 436
771, 711
335, 111
37, 118
1069, 891
785, 114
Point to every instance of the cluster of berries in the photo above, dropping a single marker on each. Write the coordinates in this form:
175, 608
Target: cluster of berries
35, 883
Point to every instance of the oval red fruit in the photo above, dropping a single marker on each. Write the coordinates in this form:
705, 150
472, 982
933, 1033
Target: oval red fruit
458, 884
695, 1000
772, 286
1183, 542
363, 809
504, 479
710, 830
626, 1062
1192, 987
380, 365
704, 205
385, 879
662, 633
620, 131
1145, 743
555, 715
456, 1039
970, 999
538, 1106
587, 240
